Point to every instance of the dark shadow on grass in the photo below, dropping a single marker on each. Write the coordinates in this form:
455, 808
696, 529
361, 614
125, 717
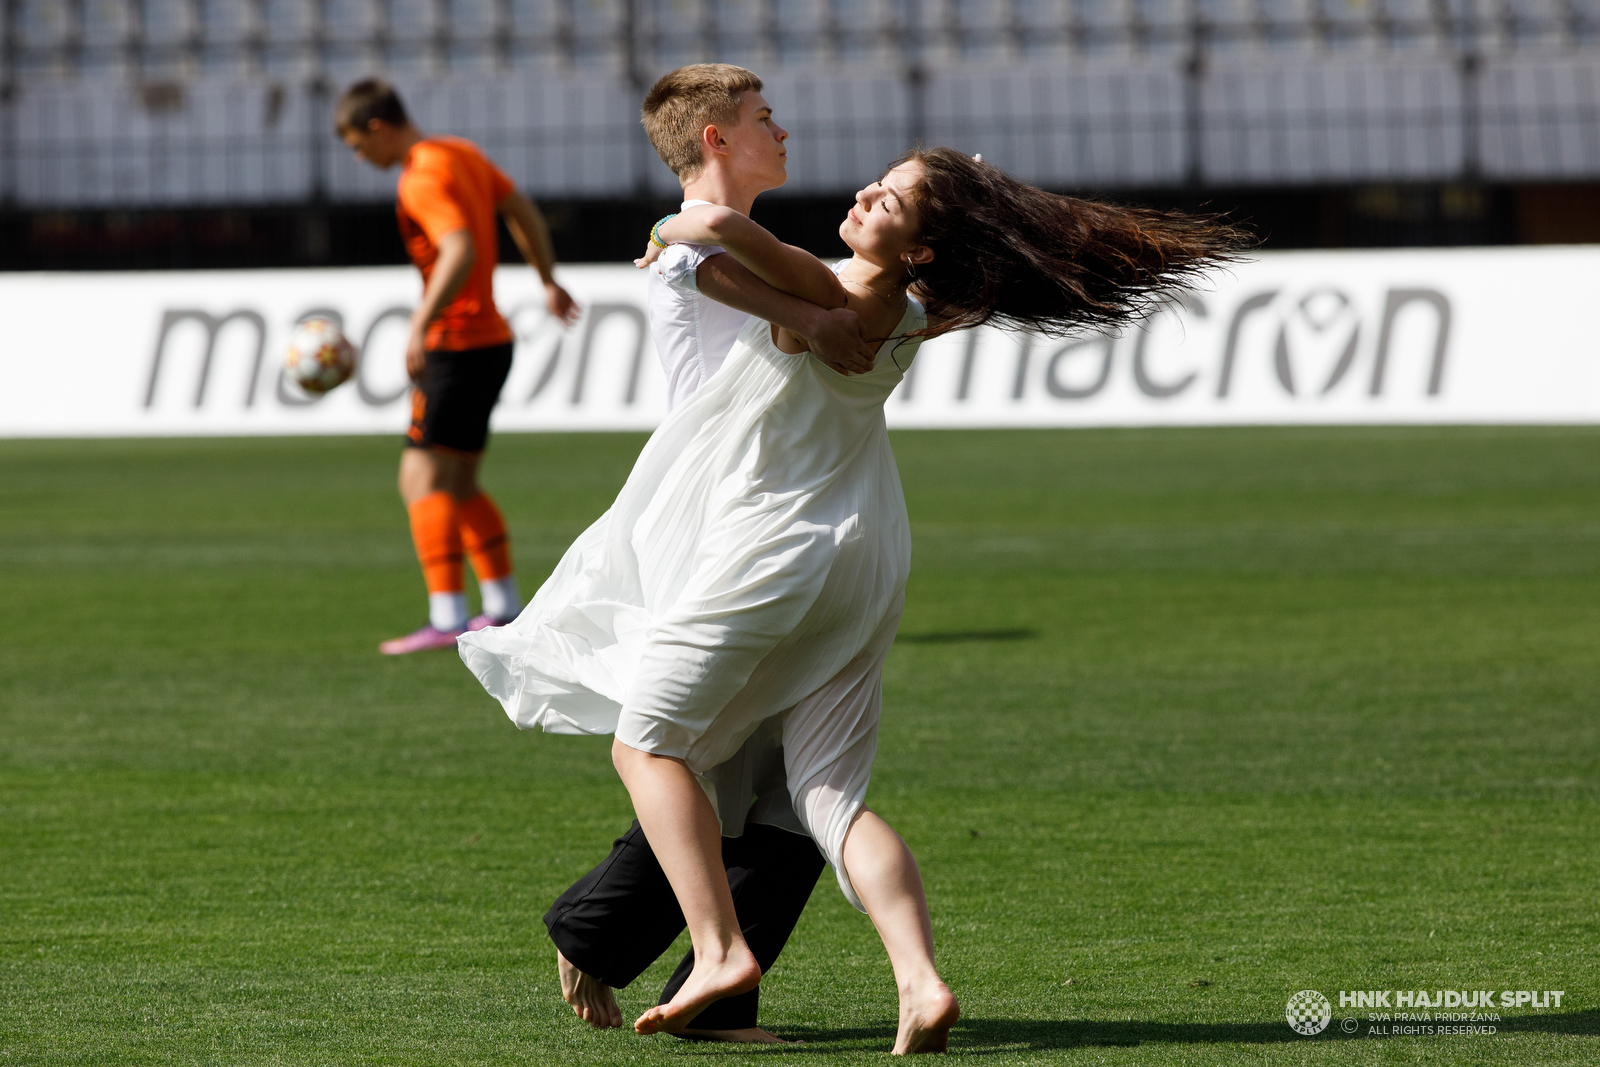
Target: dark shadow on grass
991, 1036
998, 1035
1586, 1023
951, 637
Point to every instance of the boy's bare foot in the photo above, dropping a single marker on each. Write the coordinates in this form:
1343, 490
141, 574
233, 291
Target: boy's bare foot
590, 998
926, 1015
752, 1035
737, 973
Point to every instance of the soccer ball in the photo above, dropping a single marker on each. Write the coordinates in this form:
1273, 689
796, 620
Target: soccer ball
319, 357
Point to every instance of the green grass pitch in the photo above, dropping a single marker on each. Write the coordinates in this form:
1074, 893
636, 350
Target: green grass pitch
1179, 723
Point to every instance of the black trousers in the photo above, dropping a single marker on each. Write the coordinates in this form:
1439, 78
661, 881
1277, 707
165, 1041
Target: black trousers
619, 918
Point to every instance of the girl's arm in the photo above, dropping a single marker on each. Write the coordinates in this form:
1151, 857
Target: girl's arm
784, 267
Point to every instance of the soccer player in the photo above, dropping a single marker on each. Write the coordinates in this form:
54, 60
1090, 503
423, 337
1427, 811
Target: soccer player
711, 125
458, 353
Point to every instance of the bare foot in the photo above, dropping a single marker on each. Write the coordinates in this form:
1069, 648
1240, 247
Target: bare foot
590, 998
737, 973
753, 1035
926, 1015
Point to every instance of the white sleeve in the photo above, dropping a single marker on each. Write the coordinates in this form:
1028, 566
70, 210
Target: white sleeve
678, 264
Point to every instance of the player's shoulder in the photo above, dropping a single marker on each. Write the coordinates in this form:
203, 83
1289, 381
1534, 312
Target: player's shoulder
458, 146
443, 154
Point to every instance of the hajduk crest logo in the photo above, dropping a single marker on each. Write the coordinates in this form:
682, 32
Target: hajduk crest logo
1308, 1012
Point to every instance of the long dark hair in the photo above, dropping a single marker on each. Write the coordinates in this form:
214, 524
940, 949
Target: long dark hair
1008, 253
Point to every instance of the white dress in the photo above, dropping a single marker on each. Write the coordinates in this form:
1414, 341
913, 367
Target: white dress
754, 565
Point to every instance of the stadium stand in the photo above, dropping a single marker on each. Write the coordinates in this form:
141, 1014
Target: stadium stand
140, 104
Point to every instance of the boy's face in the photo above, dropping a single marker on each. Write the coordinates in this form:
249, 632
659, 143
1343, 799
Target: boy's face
755, 144
378, 144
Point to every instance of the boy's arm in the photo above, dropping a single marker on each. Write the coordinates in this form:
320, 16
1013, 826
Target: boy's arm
835, 336
784, 267
532, 236
457, 253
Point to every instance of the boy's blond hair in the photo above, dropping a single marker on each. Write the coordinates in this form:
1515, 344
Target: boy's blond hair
682, 104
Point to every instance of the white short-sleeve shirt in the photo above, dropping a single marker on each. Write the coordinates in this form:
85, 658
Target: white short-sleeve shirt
693, 333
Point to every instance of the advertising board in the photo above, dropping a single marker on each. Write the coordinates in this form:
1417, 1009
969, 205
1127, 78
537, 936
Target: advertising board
1437, 336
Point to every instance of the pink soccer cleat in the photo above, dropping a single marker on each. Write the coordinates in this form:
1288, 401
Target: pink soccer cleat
420, 641
484, 621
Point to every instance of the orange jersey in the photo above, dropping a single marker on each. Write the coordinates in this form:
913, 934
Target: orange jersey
447, 184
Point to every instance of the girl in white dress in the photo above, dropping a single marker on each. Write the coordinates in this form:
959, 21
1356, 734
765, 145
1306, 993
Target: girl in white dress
754, 564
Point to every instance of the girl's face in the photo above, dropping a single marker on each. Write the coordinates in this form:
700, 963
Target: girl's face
882, 227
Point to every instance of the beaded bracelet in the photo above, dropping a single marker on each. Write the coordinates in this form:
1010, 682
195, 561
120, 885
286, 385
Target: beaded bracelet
655, 231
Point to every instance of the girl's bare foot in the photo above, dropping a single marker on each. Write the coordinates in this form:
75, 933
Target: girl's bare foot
926, 1015
591, 999
736, 973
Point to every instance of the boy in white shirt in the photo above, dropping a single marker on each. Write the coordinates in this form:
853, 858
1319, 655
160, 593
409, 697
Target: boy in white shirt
711, 125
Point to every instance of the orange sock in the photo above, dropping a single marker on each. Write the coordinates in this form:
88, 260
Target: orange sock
483, 533
436, 531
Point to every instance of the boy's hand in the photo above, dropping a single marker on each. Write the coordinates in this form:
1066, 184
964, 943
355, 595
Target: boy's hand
560, 304
838, 340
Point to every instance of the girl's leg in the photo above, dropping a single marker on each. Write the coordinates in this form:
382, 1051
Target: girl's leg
684, 834
884, 875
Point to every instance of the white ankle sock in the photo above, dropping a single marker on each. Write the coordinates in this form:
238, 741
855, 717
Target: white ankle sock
500, 600
447, 611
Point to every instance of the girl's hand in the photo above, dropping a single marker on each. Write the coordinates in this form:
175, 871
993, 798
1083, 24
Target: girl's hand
698, 225
652, 252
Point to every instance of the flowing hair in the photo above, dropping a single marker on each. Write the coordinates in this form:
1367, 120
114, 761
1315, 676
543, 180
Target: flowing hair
1008, 253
